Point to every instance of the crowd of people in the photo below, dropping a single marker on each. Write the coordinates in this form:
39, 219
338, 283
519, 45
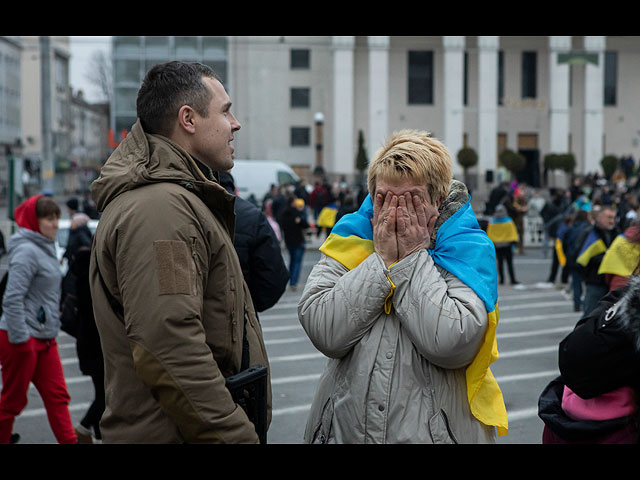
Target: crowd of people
167, 293
579, 224
592, 231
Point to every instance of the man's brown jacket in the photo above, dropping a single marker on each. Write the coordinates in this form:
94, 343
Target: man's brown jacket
165, 251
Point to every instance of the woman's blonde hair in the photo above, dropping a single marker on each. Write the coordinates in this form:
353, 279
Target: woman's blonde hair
416, 155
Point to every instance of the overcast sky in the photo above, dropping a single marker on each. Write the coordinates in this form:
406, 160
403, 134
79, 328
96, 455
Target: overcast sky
82, 49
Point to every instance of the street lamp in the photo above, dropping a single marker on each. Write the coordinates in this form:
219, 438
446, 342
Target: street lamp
319, 121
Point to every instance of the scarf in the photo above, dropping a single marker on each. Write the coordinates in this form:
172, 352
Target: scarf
25, 214
462, 248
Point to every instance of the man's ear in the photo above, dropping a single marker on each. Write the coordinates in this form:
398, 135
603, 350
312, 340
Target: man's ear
186, 119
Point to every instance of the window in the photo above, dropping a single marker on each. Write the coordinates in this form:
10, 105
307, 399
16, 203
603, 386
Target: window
61, 73
214, 48
501, 77
220, 68
300, 136
610, 77
529, 71
126, 45
187, 48
157, 47
300, 97
285, 178
465, 95
420, 89
300, 58
128, 71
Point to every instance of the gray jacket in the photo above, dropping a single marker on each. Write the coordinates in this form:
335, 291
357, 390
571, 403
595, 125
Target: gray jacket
31, 302
397, 377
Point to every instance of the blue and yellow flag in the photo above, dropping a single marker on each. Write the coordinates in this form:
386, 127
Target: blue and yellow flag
621, 257
593, 246
327, 216
463, 249
502, 230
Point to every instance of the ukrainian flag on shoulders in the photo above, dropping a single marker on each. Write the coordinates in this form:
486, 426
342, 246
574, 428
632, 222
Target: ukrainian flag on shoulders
621, 257
463, 249
592, 247
502, 230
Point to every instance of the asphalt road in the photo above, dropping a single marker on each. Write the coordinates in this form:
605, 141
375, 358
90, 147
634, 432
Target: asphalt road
533, 321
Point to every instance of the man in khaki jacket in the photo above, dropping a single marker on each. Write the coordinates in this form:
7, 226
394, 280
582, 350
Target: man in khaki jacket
165, 253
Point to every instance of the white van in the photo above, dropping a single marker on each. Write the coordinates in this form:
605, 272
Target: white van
255, 177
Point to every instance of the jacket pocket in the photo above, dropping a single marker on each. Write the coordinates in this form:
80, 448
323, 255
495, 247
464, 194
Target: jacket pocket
174, 267
322, 429
440, 430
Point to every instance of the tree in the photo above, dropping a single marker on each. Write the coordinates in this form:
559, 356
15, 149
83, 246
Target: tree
609, 164
567, 162
551, 161
99, 73
362, 161
512, 161
467, 158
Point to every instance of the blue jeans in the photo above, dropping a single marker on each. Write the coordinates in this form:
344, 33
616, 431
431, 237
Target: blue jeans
592, 295
295, 263
576, 283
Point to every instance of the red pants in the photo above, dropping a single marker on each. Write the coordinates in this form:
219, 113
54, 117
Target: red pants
36, 361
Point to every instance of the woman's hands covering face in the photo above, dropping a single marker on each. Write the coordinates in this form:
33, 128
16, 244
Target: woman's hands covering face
402, 224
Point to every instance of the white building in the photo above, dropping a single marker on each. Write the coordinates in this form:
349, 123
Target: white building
10, 125
47, 155
532, 94
537, 95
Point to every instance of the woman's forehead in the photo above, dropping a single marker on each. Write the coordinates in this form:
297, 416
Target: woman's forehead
400, 186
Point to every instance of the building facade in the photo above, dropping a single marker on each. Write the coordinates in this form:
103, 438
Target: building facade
304, 100
46, 126
10, 97
89, 140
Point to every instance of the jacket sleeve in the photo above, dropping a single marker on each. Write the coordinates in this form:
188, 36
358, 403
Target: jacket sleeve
22, 268
160, 272
268, 274
338, 306
444, 318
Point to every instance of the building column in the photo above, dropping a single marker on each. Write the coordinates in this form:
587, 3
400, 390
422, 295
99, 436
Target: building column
593, 105
453, 82
343, 158
378, 93
487, 110
558, 99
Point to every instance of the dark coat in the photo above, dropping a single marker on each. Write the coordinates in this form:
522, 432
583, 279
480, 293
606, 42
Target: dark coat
590, 272
78, 237
258, 250
292, 230
600, 355
87, 337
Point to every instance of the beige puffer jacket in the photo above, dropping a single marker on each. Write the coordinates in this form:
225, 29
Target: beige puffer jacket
397, 377
165, 250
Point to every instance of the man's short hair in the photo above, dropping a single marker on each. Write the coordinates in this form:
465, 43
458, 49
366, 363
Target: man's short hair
416, 155
166, 88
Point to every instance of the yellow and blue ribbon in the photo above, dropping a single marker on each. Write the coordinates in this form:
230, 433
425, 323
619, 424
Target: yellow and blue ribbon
461, 248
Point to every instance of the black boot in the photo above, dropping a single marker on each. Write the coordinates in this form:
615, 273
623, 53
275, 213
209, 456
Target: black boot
15, 438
